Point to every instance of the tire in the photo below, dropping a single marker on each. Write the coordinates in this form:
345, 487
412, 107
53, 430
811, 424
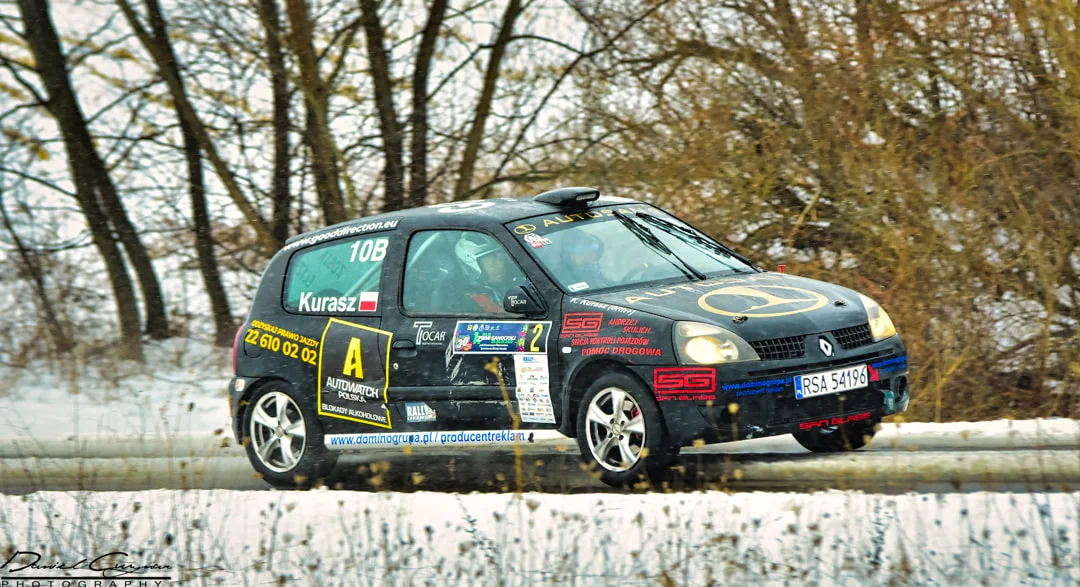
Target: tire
284, 438
843, 438
637, 425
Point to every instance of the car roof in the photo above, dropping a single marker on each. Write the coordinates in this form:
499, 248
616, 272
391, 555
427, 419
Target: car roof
497, 211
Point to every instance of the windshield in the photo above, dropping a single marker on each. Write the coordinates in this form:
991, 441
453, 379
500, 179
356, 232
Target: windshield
617, 247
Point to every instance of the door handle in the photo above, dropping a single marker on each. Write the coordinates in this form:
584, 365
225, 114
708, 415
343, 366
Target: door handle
403, 345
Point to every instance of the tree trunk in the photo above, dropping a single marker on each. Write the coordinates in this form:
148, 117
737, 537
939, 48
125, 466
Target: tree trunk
204, 239
483, 106
389, 127
324, 153
418, 146
279, 192
52, 68
157, 325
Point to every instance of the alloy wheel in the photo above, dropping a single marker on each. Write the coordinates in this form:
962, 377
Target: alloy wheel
615, 429
278, 432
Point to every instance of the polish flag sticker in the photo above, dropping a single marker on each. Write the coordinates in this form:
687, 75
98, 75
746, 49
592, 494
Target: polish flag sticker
369, 301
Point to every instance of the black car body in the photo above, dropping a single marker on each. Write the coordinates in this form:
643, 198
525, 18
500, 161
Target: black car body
361, 336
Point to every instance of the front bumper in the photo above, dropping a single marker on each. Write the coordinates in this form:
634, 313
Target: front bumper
757, 399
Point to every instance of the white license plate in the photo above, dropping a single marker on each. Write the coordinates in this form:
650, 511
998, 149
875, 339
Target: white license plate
827, 382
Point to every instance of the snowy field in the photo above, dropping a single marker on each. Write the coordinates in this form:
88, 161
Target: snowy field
179, 391
97, 410
355, 538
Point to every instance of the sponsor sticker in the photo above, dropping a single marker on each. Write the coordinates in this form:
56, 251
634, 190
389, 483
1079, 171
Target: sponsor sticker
609, 308
532, 369
581, 324
532, 391
456, 438
748, 388
343, 231
425, 336
500, 337
579, 286
310, 303
684, 383
838, 421
352, 379
886, 367
419, 412
536, 241
534, 404
273, 338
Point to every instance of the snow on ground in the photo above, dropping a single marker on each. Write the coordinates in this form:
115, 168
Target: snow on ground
180, 390
355, 538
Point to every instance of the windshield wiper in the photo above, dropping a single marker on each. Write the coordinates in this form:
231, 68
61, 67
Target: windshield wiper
646, 236
706, 242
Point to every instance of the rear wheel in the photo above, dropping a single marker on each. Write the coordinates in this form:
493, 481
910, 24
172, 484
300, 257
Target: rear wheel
846, 437
285, 442
621, 432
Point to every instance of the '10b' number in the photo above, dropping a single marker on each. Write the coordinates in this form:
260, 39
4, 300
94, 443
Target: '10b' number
368, 250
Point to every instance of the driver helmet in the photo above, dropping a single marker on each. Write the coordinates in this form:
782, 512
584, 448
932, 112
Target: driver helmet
470, 248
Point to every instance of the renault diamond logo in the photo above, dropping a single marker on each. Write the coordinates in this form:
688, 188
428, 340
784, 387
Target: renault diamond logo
825, 346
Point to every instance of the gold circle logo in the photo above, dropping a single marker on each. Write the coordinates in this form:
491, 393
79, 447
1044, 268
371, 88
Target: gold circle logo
776, 300
524, 228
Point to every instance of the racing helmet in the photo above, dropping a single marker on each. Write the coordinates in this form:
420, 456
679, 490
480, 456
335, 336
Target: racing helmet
470, 248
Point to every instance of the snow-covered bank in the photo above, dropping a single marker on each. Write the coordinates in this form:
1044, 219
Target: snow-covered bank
350, 538
179, 391
176, 405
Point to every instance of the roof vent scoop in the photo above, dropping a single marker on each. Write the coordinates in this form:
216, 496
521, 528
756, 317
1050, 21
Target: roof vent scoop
568, 196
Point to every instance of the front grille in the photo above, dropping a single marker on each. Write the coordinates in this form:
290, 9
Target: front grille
853, 337
777, 349
821, 365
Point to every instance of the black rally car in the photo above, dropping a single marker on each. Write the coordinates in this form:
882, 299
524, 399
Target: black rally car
494, 322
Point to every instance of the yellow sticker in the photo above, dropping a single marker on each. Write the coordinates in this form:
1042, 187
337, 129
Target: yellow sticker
776, 300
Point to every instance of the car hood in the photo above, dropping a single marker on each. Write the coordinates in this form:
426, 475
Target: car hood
774, 304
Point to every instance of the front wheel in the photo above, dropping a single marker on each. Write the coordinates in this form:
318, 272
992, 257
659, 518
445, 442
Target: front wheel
842, 438
621, 432
285, 441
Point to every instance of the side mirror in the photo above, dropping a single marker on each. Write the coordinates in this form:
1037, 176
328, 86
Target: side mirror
519, 300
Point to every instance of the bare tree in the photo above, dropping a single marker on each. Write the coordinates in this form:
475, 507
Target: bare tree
389, 125
324, 149
483, 106
269, 17
418, 151
86, 167
157, 43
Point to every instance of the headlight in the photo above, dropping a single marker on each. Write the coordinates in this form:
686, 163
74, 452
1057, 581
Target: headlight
881, 326
704, 344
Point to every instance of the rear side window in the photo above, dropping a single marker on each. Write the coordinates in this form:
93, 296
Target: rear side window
340, 277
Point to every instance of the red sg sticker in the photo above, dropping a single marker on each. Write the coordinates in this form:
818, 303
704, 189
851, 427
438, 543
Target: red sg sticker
582, 323
673, 380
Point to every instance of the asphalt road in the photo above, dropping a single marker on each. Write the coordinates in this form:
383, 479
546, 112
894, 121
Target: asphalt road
926, 463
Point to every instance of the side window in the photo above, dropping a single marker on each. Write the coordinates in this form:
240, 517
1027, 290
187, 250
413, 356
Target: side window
340, 277
457, 272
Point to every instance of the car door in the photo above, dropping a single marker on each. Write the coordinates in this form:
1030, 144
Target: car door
337, 287
457, 355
